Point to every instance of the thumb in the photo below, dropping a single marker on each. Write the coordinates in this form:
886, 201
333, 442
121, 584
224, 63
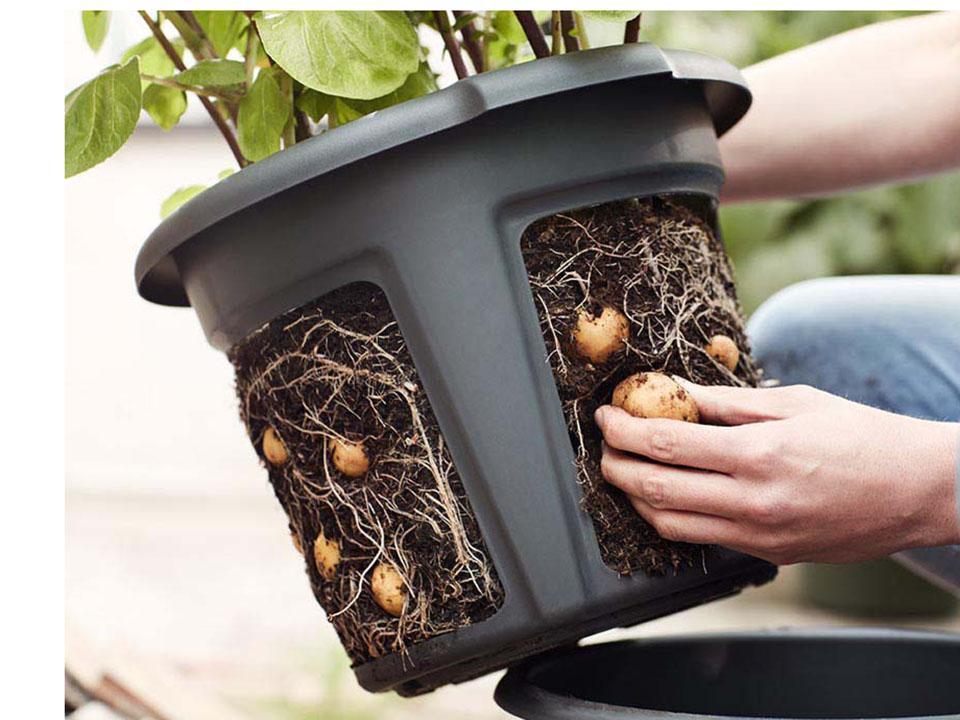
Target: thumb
728, 405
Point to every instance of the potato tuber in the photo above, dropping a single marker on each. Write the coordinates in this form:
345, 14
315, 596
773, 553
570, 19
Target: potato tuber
655, 395
350, 458
599, 337
273, 448
388, 590
724, 350
326, 554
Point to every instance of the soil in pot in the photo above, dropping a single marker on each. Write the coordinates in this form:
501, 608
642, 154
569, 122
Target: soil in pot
334, 406
622, 288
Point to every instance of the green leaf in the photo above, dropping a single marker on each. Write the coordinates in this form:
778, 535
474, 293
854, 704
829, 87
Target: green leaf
352, 54
225, 173
213, 73
314, 104
164, 104
222, 28
180, 197
95, 25
613, 16
100, 115
506, 25
464, 20
419, 83
264, 112
153, 59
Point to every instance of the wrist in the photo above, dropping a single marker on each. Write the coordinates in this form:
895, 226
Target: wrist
942, 510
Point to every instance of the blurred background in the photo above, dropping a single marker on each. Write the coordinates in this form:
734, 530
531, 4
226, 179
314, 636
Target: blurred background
180, 579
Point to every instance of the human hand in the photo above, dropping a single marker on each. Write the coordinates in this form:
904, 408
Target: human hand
788, 474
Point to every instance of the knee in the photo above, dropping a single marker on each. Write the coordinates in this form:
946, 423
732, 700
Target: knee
800, 328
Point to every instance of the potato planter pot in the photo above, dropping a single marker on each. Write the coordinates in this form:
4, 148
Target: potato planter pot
427, 202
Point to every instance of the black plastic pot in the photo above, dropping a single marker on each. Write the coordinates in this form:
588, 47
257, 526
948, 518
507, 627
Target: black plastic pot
428, 200
838, 673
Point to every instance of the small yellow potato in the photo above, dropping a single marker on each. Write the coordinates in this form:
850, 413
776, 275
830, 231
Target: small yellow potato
386, 583
599, 337
350, 458
724, 351
326, 553
273, 448
296, 541
655, 395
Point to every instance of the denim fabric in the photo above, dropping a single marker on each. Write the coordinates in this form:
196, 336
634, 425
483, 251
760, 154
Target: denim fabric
892, 342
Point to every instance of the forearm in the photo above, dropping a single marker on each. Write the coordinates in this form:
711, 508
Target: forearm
878, 104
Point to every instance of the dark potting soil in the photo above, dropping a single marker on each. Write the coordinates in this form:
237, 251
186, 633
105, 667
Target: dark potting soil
659, 262
338, 369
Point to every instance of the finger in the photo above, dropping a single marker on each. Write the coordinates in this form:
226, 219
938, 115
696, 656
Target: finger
728, 405
709, 447
669, 488
691, 527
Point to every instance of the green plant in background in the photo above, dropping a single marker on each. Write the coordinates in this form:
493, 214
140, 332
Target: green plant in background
909, 229
271, 79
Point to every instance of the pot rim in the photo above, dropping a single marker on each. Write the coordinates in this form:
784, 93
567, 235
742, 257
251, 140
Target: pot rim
725, 90
517, 692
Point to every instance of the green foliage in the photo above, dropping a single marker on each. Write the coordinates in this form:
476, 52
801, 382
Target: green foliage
421, 82
222, 28
180, 197
263, 114
909, 229
95, 26
611, 16
100, 115
213, 73
164, 104
315, 104
364, 54
347, 64
153, 60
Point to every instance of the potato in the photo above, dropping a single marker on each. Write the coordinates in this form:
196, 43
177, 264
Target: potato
326, 554
273, 448
654, 395
724, 351
350, 458
296, 541
598, 337
388, 590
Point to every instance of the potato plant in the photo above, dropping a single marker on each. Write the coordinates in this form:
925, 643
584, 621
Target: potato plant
628, 293
270, 79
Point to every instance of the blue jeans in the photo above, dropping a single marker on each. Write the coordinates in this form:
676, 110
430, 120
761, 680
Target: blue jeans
892, 342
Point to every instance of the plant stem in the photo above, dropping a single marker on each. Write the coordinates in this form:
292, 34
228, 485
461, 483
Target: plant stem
289, 130
250, 55
567, 23
205, 43
195, 89
215, 115
471, 42
302, 126
533, 32
555, 32
485, 26
190, 37
581, 31
453, 47
631, 33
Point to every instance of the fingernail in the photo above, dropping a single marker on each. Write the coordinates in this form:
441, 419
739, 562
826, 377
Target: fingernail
683, 382
599, 416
